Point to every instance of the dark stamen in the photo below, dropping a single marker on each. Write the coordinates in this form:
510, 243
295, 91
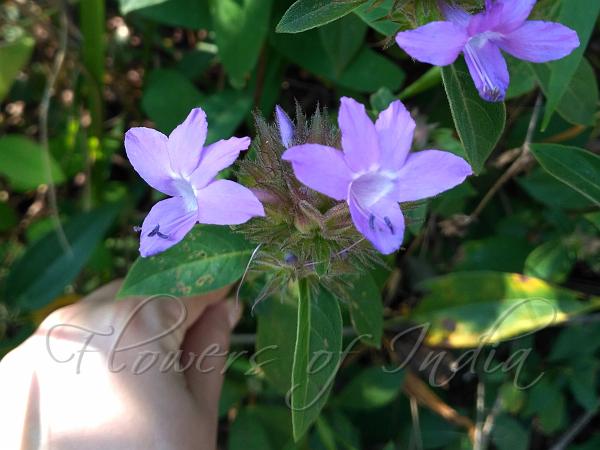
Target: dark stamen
156, 232
372, 222
388, 222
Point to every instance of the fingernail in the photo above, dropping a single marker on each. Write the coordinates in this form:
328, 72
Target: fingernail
234, 312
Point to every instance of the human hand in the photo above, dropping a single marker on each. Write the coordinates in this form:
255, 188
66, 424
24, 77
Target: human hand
108, 374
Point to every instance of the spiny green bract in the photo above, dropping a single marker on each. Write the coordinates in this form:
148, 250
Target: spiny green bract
304, 233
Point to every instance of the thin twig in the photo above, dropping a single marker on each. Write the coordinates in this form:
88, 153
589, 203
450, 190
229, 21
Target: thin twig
480, 407
575, 429
43, 124
490, 420
416, 440
517, 165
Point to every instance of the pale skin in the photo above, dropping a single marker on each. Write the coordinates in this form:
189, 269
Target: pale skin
79, 384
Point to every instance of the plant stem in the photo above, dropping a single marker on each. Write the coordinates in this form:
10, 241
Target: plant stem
92, 17
519, 164
301, 355
575, 429
43, 124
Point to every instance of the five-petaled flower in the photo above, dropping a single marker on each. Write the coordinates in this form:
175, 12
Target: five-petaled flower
180, 166
502, 26
375, 170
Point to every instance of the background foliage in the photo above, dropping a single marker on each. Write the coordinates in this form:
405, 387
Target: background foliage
511, 255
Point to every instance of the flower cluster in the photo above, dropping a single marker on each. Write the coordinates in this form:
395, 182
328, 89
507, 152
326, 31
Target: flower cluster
318, 199
326, 197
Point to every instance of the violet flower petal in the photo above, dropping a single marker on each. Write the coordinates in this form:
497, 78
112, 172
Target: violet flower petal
224, 202
382, 223
147, 152
285, 125
320, 168
186, 142
437, 43
514, 13
166, 224
488, 69
538, 41
395, 130
490, 19
217, 157
455, 14
359, 137
428, 173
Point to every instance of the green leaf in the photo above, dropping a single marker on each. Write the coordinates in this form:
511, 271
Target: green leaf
367, 72
325, 433
366, 310
46, 268
547, 402
582, 380
192, 14
547, 190
241, 28
317, 356
468, 309
22, 162
579, 103
377, 17
579, 100
306, 14
509, 434
522, 80
512, 397
573, 166
342, 40
346, 433
499, 253
276, 325
551, 261
381, 99
168, 111
225, 110
248, 433
374, 387
581, 16
276, 419
14, 55
479, 123
127, 6
575, 343
209, 258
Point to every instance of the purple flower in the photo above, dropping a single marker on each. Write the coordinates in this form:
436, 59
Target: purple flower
375, 171
285, 125
180, 166
502, 26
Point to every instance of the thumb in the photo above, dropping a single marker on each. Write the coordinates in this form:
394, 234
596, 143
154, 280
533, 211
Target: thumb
205, 348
